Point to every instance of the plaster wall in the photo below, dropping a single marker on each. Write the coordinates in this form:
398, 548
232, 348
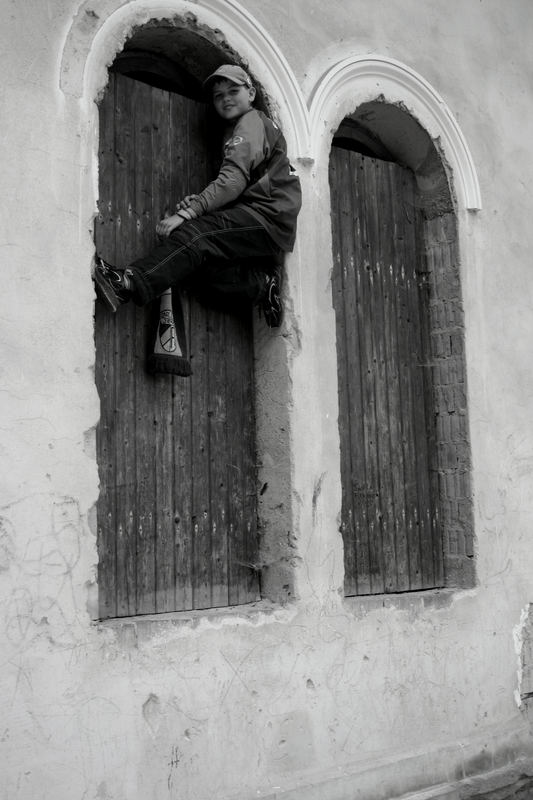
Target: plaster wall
323, 697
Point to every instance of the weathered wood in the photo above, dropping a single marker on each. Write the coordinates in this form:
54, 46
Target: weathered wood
386, 383
181, 485
242, 471
168, 506
182, 391
146, 418
201, 522
104, 342
218, 471
125, 364
385, 394
395, 373
164, 430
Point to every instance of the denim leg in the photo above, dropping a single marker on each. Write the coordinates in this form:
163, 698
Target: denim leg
223, 235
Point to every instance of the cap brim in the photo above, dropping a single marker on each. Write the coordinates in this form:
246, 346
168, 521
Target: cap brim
214, 78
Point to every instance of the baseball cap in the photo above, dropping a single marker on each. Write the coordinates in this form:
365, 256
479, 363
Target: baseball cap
230, 72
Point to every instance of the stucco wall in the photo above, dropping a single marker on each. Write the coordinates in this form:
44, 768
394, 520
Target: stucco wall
323, 698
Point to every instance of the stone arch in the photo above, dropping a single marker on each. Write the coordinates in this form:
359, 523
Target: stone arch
360, 79
94, 39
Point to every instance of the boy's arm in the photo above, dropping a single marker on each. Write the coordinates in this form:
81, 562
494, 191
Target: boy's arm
246, 149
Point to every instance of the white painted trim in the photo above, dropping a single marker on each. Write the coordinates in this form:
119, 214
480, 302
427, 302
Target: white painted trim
358, 79
93, 41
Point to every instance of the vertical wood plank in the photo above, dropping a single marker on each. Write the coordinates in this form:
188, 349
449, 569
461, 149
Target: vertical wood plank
183, 396
218, 471
358, 375
442, 256
183, 472
241, 462
200, 510
162, 396
422, 509
397, 466
104, 343
125, 361
345, 303
146, 421
369, 358
200, 407
389, 466
251, 586
357, 385
376, 189
404, 256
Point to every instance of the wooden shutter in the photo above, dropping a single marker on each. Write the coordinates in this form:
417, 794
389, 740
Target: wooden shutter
177, 509
390, 524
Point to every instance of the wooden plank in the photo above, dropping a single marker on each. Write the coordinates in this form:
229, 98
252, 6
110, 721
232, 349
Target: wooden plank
148, 471
344, 302
200, 510
424, 268
241, 462
201, 497
201, 489
193, 580
419, 334
389, 465
377, 181
197, 166
218, 425
251, 550
416, 409
183, 398
235, 467
391, 278
125, 362
336, 165
104, 343
183, 512
369, 356
355, 279
162, 400
405, 255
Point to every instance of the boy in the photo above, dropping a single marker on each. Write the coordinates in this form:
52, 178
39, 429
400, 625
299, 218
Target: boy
247, 213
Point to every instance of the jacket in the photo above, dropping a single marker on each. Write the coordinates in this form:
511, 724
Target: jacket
256, 175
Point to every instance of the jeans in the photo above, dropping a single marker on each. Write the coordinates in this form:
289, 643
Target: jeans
228, 250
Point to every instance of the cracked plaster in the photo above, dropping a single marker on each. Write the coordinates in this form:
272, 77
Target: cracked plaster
322, 696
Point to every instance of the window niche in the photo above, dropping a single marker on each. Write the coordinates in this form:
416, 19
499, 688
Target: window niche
178, 515
405, 456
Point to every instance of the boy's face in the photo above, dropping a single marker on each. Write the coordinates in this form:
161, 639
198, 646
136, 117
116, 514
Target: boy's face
231, 100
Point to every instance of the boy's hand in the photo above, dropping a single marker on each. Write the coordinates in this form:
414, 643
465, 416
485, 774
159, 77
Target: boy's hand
186, 202
165, 226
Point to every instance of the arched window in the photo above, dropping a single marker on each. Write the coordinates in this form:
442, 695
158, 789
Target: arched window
177, 513
406, 501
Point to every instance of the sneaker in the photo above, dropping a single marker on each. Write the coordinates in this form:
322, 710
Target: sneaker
270, 302
110, 284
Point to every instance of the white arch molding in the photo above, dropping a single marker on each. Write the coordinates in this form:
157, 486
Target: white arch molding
358, 79
94, 39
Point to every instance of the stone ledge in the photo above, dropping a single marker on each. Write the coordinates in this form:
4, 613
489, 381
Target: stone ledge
511, 783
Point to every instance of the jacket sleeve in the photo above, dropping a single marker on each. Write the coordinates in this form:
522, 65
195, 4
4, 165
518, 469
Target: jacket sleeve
246, 148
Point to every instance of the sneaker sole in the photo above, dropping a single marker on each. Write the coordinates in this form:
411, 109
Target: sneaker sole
105, 292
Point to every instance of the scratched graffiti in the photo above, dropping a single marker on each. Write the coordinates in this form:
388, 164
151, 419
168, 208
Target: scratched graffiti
37, 572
